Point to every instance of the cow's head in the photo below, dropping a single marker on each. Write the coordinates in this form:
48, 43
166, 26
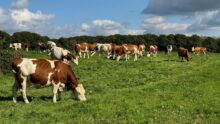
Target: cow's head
79, 93
69, 56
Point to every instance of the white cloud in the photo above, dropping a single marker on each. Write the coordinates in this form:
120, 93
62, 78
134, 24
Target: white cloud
20, 4
21, 19
158, 25
26, 20
106, 27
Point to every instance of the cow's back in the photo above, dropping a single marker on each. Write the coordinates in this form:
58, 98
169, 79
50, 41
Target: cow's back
56, 53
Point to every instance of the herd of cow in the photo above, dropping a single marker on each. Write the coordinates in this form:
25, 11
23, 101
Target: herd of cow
58, 73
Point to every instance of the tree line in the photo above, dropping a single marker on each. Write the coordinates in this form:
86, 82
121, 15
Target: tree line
211, 43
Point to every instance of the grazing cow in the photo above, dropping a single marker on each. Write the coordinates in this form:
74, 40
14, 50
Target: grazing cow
197, 50
103, 47
141, 48
81, 48
42, 47
63, 54
152, 50
92, 48
130, 49
115, 51
169, 49
85, 48
45, 72
183, 53
51, 44
119, 51
15, 46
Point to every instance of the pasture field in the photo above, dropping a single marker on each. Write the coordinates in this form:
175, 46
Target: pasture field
150, 90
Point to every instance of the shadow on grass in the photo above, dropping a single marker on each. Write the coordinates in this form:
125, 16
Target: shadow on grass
166, 60
9, 98
20, 98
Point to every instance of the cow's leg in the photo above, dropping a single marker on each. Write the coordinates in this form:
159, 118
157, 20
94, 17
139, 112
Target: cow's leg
141, 53
87, 54
93, 53
114, 56
135, 57
118, 58
55, 90
23, 88
128, 57
14, 91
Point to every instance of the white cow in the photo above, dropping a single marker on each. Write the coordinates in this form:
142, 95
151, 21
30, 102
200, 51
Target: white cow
104, 47
169, 49
51, 44
63, 54
15, 46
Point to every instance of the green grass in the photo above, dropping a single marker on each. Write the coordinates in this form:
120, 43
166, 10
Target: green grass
150, 90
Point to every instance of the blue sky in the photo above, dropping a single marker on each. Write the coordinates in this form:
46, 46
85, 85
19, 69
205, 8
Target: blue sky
56, 18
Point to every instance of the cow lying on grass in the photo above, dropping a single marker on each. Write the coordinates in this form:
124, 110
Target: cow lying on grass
45, 72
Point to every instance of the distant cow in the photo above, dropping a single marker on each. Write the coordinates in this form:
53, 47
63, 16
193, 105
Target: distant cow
120, 51
197, 50
15, 46
183, 53
85, 48
63, 54
103, 47
116, 51
152, 50
130, 49
45, 72
141, 49
42, 47
169, 49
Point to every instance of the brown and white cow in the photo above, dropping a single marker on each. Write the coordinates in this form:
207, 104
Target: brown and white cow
45, 72
120, 51
130, 49
85, 48
63, 54
15, 46
152, 50
141, 48
116, 51
183, 53
197, 50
